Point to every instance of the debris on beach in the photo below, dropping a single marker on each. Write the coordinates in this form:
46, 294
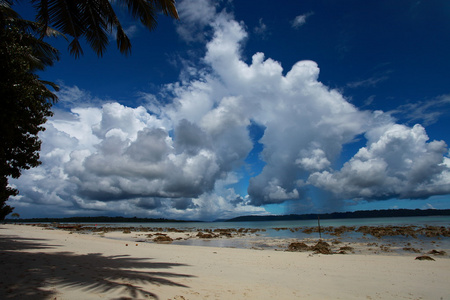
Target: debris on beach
322, 248
345, 250
381, 231
297, 247
162, 239
385, 248
379, 239
411, 249
424, 257
206, 235
225, 232
437, 252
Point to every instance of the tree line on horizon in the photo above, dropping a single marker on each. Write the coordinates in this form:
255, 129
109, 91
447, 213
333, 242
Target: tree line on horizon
384, 213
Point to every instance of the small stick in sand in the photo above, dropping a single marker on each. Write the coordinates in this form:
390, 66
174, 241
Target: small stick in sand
318, 222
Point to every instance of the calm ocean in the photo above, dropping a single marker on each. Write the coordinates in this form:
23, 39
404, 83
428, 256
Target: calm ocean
272, 229
417, 221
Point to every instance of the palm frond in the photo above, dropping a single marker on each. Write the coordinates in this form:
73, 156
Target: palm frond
65, 15
6, 2
142, 10
96, 27
123, 42
94, 19
6, 12
50, 32
53, 85
75, 48
45, 52
42, 15
34, 62
110, 16
167, 7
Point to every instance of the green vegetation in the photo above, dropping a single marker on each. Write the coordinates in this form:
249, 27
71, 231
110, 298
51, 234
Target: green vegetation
101, 219
384, 213
25, 98
336, 215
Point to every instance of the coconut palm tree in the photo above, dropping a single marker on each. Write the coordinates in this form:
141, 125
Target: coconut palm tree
95, 19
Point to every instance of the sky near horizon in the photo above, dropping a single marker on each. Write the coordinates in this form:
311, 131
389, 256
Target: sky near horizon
248, 107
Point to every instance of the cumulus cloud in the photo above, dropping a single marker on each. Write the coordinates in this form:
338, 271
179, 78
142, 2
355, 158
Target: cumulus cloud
398, 161
180, 157
71, 96
135, 157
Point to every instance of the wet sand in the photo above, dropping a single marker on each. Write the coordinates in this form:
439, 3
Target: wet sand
74, 263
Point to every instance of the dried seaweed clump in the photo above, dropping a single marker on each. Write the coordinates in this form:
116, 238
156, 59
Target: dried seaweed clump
424, 257
298, 247
162, 239
320, 248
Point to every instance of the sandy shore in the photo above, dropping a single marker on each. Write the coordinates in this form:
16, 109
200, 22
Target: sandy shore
39, 263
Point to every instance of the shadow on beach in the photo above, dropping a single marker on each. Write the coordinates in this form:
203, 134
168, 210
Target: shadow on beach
29, 269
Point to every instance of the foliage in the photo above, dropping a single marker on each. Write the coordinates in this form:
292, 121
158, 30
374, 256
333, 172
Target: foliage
25, 99
382, 213
101, 219
94, 20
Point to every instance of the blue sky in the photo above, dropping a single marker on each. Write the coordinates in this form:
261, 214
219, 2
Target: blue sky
246, 107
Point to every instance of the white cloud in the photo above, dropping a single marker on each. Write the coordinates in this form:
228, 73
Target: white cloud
426, 112
179, 160
300, 20
131, 31
195, 16
397, 162
261, 29
369, 82
312, 160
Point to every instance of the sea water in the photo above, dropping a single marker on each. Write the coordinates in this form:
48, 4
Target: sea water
394, 221
272, 230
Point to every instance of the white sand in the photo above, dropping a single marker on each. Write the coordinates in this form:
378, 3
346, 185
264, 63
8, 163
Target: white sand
51, 264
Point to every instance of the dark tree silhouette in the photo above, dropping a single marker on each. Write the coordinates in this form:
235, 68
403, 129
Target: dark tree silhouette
25, 99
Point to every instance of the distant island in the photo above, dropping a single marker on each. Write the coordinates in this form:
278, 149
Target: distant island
384, 213
100, 219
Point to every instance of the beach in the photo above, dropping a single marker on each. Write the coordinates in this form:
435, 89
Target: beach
48, 263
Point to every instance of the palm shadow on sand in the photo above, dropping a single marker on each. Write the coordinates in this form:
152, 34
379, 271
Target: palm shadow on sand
26, 275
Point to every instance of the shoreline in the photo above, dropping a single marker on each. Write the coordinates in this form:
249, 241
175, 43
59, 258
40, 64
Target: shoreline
59, 264
390, 239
